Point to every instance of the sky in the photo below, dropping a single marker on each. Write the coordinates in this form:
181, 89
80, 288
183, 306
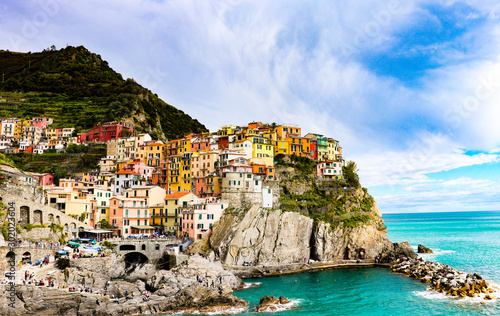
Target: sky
411, 89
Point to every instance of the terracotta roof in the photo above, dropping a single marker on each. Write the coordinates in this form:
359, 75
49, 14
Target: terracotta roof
127, 172
176, 195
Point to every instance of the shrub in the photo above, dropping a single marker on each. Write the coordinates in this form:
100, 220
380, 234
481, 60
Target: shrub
29, 226
62, 263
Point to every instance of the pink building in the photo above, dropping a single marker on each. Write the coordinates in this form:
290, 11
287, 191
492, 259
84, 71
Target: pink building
41, 122
46, 179
139, 167
329, 170
200, 144
200, 215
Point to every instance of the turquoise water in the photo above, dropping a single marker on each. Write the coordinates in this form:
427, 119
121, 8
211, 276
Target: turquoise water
467, 241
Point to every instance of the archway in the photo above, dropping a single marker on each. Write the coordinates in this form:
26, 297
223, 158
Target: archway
58, 220
143, 247
11, 255
66, 228
27, 256
25, 215
37, 217
51, 217
134, 259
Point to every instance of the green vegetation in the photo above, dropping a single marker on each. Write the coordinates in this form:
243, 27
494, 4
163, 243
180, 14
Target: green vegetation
29, 226
107, 244
334, 201
350, 174
78, 89
60, 164
63, 263
54, 228
105, 224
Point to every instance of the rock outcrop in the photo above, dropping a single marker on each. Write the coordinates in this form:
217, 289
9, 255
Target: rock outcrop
347, 243
262, 236
398, 251
274, 237
423, 249
444, 278
195, 286
271, 303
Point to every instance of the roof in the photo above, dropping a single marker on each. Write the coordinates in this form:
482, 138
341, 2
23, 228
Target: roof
127, 172
176, 195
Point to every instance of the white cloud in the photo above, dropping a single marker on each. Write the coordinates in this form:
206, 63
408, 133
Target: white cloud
231, 62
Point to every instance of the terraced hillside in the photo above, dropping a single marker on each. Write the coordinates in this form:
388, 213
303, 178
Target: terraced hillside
78, 89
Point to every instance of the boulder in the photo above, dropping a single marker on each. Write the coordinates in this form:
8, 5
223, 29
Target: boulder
424, 249
270, 303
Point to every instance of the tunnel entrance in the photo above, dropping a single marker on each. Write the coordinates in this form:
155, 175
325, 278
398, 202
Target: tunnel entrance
133, 260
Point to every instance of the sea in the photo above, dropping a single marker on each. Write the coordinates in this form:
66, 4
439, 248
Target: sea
466, 241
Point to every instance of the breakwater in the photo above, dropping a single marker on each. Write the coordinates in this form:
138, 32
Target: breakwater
444, 278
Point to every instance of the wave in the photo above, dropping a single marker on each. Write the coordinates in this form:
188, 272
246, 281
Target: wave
479, 299
252, 284
284, 307
233, 310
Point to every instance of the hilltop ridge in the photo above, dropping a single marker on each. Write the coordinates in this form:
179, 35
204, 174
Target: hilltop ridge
79, 89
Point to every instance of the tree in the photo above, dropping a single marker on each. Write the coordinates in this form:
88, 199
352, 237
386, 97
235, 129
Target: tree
105, 224
350, 174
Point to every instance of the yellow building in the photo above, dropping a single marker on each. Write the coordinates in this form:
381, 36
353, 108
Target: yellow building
153, 153
263, 148
173, 203
282, 147
174, 163
226, 130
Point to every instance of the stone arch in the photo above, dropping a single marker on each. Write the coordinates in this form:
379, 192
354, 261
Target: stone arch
127, 247
51, 217
27, 256
72, 225
143, 247
66, 228
80, 228
37, 217
58, 220
24, 215
11, 255
157, 247
134, 258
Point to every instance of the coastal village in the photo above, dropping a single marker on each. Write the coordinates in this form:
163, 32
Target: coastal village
179, 187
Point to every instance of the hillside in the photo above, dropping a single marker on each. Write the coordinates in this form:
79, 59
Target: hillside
78, 89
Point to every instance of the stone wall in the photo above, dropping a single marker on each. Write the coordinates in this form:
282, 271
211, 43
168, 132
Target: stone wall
39, 233
240, 198
28, 211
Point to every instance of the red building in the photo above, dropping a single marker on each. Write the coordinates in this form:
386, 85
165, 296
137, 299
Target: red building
314, 149
104, 132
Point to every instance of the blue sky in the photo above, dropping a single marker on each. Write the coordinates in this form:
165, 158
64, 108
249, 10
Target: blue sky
410, 88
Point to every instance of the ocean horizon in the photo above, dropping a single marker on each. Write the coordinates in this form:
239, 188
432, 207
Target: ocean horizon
467, 241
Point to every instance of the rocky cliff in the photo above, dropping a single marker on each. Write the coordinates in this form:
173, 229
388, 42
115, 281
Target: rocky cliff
323, 220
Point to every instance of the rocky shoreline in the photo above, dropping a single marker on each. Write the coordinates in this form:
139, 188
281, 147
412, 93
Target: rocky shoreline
197, 285
445, 279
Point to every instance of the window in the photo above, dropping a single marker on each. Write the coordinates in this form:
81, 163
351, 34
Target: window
114, 212
249, 176
103, 211
200, 216
126, 213
138, 213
